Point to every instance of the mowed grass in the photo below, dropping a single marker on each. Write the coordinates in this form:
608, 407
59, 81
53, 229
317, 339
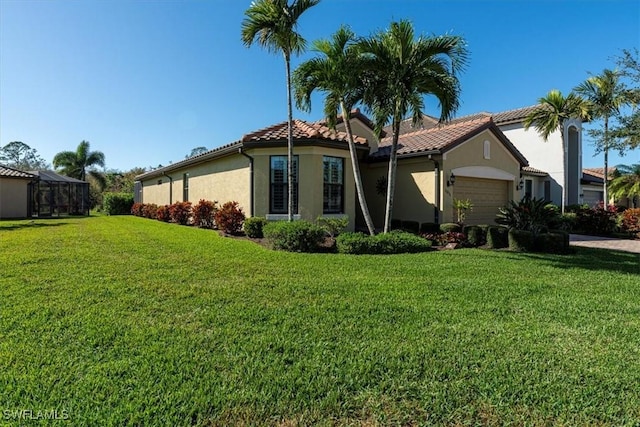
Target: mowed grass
127, 321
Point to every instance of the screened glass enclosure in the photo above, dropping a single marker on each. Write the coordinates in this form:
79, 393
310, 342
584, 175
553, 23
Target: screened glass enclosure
55, 195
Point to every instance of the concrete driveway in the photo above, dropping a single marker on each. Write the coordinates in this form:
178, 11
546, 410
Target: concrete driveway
605, 243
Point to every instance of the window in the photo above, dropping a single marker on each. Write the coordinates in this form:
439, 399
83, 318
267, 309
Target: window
185, 187
547, 191
487, 150
279, 197
333, 192
528, 188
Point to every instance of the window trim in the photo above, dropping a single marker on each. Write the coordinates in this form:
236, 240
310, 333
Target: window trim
285, 184
341, 209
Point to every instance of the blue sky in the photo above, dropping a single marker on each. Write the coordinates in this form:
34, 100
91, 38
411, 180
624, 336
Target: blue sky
146, 81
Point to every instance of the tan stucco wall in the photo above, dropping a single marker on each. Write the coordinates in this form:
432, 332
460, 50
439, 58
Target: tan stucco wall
470, 154
414, 194
310, 183
224, 179
13, 198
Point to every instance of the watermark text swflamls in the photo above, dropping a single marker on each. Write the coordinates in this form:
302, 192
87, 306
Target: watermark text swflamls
30, 414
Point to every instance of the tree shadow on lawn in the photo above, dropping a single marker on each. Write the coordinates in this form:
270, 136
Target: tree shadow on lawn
30, 224
592, 259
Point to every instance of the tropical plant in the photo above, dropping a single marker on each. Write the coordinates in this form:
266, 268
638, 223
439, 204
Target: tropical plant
553, 111
628, 129
606, 96
398, 71
204, 213
77, 164
626, 182
229, 218
461, 207
273, 24
529, 214
336, 74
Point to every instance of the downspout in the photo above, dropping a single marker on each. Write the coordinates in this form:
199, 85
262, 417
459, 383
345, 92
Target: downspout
251, 197
436, 208
170, 187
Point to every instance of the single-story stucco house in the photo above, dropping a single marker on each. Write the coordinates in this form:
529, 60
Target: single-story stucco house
14, 192
468, 159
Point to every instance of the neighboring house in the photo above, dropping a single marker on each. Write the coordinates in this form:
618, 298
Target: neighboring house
41, 194
545, 176
14, 193
469, 159
253, 172
593, 187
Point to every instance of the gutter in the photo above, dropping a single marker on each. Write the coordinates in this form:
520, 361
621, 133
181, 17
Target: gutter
170, 187
436, 208
251, 179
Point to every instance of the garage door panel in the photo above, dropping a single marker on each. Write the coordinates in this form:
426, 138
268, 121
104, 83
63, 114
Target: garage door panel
487, 195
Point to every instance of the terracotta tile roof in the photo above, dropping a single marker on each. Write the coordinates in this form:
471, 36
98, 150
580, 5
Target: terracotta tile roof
442, 138
598, 172
7, 172
301, 131
514, 116
533, 171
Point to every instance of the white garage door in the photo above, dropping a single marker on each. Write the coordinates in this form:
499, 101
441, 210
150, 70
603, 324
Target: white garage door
487, 195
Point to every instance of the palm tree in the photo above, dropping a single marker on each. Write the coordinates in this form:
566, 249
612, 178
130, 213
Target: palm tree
606, 95
273, 23
336, 74
399, 71
553, 112
626, 182
77, 164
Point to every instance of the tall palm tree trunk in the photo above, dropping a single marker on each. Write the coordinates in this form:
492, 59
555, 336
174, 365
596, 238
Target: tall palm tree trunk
356, 171
565, 169
391, 178
606, 162
290, 169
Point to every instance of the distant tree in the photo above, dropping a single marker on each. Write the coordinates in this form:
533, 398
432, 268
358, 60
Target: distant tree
627, 132
626, 181
607, 95
196, 151
121, 182
77, 164
273, 23
19, 155
553, 112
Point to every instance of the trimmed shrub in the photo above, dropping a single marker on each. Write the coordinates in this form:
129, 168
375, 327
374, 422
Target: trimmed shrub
204, 214
552, 242
520, 240
395, 242
396, 224
630, 221
599, 220
296, 236
429, 227
411, 226
253, 227
229, 218
450, 227
149, 210
162, 214
475, 235
136, 209
497, 237
117, 203
333, 226
180, 212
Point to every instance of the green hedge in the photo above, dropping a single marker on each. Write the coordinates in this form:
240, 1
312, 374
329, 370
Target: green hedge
452, 227
296, 236
395, 242
475, 235
117, 203
497, 237
253, 227
520, 240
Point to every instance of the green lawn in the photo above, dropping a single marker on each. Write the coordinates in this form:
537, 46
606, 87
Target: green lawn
128, 321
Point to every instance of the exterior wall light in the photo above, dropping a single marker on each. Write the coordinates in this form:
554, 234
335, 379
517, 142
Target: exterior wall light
451, 180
